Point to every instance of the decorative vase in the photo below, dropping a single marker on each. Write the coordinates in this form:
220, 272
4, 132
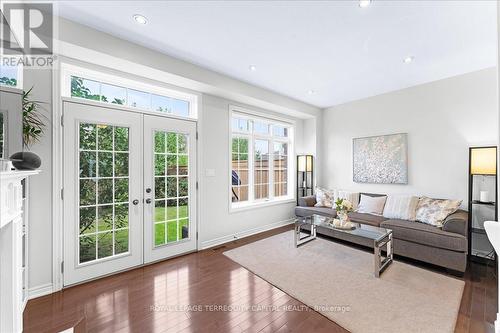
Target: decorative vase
342, 215
26, 160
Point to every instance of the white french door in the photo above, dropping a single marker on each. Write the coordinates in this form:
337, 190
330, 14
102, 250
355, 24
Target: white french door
129, 189
169, 179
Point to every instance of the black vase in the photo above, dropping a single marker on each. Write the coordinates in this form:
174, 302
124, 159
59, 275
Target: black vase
26, 160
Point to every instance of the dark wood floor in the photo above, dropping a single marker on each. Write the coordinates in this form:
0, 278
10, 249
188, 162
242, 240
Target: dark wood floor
138, 300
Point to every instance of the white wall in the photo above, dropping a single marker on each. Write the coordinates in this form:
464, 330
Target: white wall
442, 119
40, 214
217, 223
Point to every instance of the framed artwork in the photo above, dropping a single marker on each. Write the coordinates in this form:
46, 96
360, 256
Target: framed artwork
381, 159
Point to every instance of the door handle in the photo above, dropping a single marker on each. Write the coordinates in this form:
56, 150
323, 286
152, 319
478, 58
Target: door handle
135, 202
148, 190
148, 201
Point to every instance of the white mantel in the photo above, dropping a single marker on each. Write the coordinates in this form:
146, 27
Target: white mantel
13, 259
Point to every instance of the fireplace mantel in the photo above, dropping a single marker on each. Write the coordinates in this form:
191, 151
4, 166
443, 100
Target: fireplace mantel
13, 251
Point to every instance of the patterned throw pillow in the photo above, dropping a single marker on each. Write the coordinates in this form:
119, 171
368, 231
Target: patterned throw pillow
435, 211
324, 197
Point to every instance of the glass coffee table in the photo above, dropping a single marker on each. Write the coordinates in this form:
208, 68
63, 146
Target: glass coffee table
379, 238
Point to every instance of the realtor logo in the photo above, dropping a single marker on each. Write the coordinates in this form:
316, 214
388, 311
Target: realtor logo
27, 28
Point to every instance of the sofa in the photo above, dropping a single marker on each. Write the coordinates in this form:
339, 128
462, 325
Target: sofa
446, 247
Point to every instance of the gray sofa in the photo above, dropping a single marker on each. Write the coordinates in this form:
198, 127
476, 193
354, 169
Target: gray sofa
446, 246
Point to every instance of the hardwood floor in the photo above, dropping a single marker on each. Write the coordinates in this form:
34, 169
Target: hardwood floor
144, 300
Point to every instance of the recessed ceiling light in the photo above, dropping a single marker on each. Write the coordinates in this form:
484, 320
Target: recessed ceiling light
253, 68
140, 19
311, 92
409, 59
364, 3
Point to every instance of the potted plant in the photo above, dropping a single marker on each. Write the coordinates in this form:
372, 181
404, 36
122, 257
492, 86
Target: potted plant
33, 130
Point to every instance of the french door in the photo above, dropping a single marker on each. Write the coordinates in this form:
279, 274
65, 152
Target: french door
129, 189
169, 171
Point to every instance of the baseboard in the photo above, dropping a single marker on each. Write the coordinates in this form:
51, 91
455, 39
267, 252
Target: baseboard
40, 291
229, 238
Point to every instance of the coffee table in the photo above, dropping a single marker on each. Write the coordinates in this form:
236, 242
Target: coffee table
379, 237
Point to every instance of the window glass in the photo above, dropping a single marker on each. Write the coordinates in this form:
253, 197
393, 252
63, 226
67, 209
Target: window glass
180, 107
240, 125
161, 103
280, 167
259, 161
84, 88
113, 94
8, 75
261, 169
139, 99
109, 93
240, 166
260, 128
280, 131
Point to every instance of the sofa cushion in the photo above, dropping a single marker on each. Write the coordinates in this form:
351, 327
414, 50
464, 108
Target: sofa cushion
324, 197
401, 206
366, 218
425, 234
435, 211
371, 205
308, 211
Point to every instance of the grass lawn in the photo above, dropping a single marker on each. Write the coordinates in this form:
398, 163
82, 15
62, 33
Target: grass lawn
172, 228
105, 246
171, 213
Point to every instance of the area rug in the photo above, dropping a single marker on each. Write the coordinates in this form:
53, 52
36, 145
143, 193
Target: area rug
337, 281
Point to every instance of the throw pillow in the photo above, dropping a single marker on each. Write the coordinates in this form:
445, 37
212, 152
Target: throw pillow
353, 197
371, 205
324, 197
401, 206
435, 211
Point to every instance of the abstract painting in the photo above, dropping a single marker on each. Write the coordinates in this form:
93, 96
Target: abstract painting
381, 159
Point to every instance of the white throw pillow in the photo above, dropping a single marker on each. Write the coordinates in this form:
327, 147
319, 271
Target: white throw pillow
353, 197
401, 206
324, 197
435, 211
371, 205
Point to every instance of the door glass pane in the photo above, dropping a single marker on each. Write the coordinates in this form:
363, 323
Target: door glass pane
104, 191
171, 184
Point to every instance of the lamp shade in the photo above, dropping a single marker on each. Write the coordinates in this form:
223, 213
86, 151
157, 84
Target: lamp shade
483, 161
304, 163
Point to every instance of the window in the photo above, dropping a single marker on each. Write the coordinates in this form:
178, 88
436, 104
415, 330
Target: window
10, 76
104, 87
259, 160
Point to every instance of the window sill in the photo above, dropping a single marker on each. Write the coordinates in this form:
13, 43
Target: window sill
235, 208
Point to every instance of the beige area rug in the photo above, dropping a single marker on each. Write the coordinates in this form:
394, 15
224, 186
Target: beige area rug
328, 276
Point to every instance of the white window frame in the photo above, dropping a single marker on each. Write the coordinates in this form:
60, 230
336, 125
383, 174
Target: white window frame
68, 70
243, 113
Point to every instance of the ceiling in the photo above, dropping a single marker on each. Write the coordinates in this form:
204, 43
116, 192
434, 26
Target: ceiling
338, 50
